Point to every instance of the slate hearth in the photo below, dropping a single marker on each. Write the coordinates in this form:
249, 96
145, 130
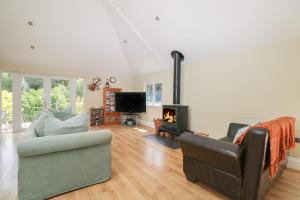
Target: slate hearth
168, 142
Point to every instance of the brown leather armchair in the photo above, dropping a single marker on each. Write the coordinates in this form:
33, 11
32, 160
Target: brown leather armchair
237, 171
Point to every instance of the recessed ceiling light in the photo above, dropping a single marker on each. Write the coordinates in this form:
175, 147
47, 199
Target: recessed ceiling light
32, 47
157, 18
30, 23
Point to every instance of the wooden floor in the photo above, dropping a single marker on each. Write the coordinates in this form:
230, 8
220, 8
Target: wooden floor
142, 169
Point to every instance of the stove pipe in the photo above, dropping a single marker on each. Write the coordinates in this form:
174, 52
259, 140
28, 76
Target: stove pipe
178, 57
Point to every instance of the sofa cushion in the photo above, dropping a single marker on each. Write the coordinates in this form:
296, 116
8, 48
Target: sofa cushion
39, 124
30, 131
239, 133
55, 126
62, 114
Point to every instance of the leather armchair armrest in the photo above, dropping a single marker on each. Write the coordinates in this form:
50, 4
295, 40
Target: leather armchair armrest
255, 145
219, 154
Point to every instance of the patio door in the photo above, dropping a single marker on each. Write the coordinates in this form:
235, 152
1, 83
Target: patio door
32, 98
40, 93
60, 93
23, 96
6, 102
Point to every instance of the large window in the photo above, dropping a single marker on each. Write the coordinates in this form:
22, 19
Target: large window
153, 93
32, 99
79, 95
6, 102
60, 94
23, 96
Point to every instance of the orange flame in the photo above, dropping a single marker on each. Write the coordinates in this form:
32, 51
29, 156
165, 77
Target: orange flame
169, 117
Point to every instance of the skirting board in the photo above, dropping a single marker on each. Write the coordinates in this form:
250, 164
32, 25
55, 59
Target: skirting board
146, 123
294, 163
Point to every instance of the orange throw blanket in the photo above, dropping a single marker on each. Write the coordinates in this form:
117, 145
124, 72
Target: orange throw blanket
282, 138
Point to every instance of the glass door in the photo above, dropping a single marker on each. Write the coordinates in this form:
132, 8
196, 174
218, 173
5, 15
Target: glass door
24, 96
6, 102
32, 99
60, 94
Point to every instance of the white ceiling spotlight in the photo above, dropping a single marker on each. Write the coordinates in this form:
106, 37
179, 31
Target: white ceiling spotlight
30, 23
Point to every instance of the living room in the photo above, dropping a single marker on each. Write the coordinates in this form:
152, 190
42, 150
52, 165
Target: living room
231, 67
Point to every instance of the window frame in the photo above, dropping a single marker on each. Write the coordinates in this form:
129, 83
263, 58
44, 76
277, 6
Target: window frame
154, 103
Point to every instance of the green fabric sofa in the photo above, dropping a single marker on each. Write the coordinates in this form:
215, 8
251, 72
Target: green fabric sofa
52, 165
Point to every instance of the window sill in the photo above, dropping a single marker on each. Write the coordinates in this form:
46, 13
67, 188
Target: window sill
154, 105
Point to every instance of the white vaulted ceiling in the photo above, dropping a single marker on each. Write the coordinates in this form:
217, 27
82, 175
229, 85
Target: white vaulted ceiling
70, 34
123, 36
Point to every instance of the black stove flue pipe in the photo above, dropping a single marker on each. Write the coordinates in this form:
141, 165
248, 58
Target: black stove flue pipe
178, 58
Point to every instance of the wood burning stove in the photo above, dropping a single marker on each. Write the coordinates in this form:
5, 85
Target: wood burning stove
175, 117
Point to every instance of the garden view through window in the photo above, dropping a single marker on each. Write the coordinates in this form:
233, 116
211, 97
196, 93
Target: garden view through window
32, 99
60, 94
79, 95
6, 107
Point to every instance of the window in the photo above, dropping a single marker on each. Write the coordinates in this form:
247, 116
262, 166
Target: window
79, 95
153, 93
32, 99
149, 93
60, 94
158, 92
6, 102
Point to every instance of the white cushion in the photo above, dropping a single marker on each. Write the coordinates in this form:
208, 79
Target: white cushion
239, 133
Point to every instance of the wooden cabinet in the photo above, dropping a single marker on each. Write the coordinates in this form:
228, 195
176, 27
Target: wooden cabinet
109, 106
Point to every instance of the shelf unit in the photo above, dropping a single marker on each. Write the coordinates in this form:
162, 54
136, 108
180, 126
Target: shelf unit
96, 116
109, 105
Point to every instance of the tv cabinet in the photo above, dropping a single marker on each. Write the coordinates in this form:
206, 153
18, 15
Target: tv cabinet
109, 105
129, 119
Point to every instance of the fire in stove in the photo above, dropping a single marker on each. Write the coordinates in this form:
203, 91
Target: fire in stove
169, 116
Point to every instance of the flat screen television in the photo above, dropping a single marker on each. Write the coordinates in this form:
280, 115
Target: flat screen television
131, 102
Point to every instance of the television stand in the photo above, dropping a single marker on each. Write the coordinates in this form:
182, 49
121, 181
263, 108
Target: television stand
129, 119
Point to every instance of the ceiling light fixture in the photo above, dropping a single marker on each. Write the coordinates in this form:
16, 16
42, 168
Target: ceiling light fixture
30, 23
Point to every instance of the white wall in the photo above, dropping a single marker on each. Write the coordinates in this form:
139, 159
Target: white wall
247, 87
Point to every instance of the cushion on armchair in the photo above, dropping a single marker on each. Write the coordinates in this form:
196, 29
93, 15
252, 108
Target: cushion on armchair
233, 129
